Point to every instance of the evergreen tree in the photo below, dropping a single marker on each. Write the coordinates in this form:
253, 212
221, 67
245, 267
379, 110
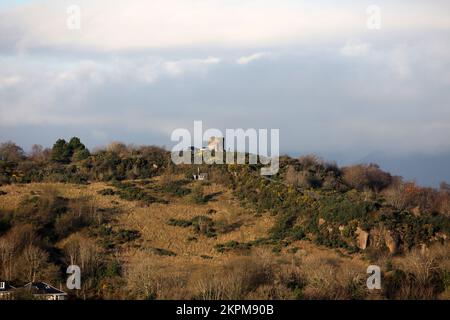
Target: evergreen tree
61, 152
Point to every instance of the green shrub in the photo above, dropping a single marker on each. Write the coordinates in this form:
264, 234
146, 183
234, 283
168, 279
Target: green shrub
204, 225
233, 245
176, 188
112, 269
179, 223
162, 252
124, 235
197, 195
129, 192
107, 192
283, 225
200, 224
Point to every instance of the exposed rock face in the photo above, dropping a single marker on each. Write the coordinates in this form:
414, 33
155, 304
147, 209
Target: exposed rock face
423, 249
416, 211
380, 237
391, 241
440, 236
363, 238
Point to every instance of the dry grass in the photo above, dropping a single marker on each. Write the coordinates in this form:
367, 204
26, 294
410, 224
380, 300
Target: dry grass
199, 271
151, 221
189, 274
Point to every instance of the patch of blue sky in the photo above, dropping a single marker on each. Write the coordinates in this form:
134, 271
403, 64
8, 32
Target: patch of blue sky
15, 3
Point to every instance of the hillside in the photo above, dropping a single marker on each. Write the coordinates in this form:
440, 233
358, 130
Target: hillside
140, 227
166, 252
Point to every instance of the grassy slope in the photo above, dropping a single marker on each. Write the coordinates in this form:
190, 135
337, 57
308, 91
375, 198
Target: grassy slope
328, 271
151, 221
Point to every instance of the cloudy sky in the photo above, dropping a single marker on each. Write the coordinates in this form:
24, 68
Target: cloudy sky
136, 70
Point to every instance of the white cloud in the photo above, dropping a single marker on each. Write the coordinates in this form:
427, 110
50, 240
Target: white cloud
400, 64
253, 57
52, 92
354, 49
177, 68
141, 24
9, 81
400, 83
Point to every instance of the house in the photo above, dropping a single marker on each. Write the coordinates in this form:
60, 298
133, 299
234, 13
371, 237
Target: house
6, 291
200, 176
44, 291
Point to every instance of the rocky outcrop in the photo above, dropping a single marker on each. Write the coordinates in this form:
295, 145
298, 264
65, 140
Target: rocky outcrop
415, 211
382, 237
321, 221
391, 241
423, 249
363, 238
440, 236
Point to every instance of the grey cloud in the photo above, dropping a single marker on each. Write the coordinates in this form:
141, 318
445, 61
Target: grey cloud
321, 100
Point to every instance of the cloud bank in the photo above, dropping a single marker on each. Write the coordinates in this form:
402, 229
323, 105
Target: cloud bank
136, 70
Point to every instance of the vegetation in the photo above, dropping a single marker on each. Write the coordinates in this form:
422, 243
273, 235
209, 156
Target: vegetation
128, 191
139, 228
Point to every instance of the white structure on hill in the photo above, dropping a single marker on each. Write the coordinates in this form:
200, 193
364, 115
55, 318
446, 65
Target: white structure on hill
216, 144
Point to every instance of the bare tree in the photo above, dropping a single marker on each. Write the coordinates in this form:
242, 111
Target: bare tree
7, 250
84, 252
366, 176
35, 259
9, 151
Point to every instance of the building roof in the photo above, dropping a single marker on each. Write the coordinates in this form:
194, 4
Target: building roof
43, 288
5, 286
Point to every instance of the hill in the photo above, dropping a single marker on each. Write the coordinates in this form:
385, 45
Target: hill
140, 227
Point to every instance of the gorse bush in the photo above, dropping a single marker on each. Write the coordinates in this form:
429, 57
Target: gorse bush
179, 223
107, 192
176, 188
128, 191
163, 252
298, 211
343, 208
233, 246
197, 195
200, 225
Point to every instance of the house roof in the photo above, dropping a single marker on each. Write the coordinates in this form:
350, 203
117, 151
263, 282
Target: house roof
42, 288
5, 286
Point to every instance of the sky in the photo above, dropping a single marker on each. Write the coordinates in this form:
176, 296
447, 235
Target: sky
136, 70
